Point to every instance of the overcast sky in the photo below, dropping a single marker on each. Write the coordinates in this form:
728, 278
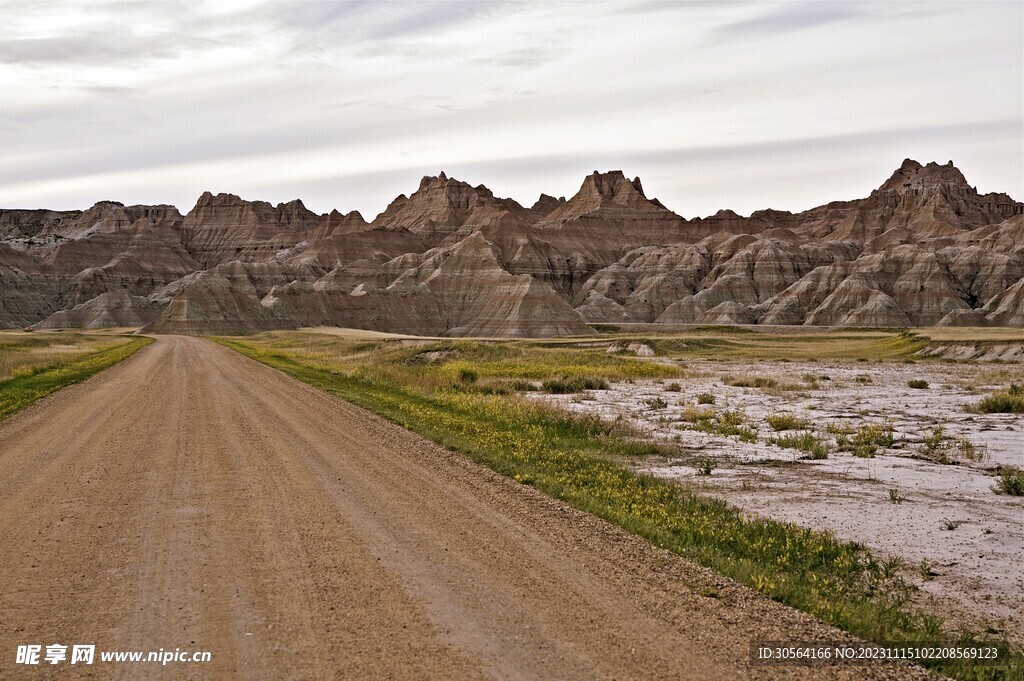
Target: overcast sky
347, 104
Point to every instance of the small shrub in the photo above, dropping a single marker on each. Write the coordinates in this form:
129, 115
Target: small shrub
918, 383
1011, 481
656, 403
896, 495
705, 398
786, 421
673, 388
705, 466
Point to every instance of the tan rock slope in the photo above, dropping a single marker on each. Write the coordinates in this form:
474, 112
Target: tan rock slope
452, 259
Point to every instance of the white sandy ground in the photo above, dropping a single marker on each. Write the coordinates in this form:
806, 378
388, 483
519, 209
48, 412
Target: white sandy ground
978, 566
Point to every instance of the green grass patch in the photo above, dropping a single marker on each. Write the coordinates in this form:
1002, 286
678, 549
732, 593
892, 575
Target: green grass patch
573, 384
730, 423
865, 441
1010, 481
579, 460
1009, 401
810, 444
25, 388
786, 421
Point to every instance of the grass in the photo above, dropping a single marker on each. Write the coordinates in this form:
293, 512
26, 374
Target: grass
865, 441
1009, 401
935, 446
1010, 481
756, 345
918, 384
750, 381
786, 421
705, 398
580, 460
30, 384
807, 442
572, 384
729, 423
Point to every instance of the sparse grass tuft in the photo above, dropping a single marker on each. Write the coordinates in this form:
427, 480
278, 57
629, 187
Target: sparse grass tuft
865, 441
896, 495
807, 442
935, 446
705, 398
969, 451
730, 423
656, 403
786, 421
750, 381
673, 387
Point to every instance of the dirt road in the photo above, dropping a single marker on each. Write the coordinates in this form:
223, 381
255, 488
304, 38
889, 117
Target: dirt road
191, 498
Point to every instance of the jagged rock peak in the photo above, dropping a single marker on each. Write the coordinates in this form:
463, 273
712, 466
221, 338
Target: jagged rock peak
546, 204
913, 175
223, 200
612, 184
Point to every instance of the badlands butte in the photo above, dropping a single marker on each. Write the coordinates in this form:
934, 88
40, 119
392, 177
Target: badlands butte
925, 248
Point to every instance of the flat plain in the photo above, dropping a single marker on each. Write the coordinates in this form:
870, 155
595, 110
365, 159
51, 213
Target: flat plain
191, 497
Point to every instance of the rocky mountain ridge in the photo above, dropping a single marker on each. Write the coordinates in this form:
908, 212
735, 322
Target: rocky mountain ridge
452, 259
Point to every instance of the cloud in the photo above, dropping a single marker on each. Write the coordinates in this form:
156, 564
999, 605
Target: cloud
796, 16
274, 97
95, 48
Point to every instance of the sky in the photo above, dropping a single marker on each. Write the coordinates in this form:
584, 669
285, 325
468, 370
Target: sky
345, 105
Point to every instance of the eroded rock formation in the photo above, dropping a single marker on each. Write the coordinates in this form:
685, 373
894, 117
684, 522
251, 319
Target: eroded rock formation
452, 259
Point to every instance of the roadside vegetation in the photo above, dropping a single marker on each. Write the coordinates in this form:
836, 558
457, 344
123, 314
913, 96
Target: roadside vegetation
584, 462
34, 365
